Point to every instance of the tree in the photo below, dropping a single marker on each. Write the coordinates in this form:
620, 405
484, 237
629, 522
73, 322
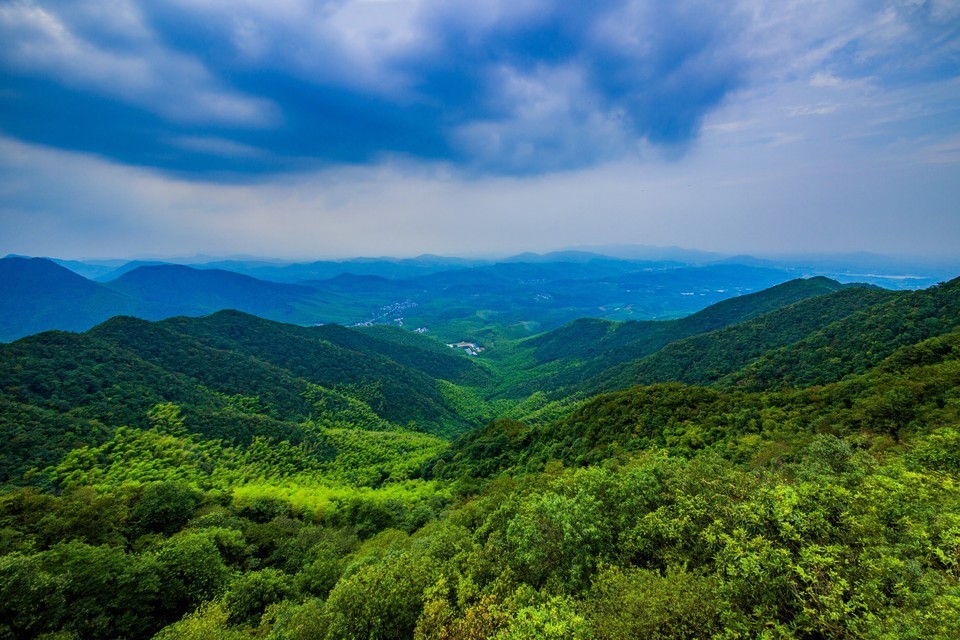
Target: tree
164, 507
192, 571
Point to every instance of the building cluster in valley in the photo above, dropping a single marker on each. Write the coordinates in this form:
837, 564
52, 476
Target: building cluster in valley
470, 348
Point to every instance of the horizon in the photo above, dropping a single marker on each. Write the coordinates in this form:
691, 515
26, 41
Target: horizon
685, 256
891, 272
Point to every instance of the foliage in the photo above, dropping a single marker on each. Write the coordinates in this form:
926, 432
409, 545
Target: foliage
159, 496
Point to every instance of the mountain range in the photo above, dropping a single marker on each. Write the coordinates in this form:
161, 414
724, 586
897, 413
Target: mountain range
802, 332
453, 298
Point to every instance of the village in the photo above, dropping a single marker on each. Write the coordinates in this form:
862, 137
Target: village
470, 348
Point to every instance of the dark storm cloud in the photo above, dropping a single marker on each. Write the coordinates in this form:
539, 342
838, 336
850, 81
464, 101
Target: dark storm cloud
504, 87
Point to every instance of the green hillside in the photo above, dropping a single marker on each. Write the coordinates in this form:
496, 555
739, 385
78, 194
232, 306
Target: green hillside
235, 377
912, 391
586, 338
589, 356
858, 342
793, 471
704, 358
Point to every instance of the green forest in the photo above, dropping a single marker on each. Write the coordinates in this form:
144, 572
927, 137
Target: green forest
784, 464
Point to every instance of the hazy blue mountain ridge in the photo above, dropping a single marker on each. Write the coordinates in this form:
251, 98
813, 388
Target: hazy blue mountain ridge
38, 295
452, 298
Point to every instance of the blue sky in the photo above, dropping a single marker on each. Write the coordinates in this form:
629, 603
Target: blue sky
331, 128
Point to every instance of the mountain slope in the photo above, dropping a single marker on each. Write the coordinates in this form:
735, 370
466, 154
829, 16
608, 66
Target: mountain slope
238, 353
234, 377
589, 356
703, 359
38, 295
909, 393
856, 343
814, 341
171, 290
588, 338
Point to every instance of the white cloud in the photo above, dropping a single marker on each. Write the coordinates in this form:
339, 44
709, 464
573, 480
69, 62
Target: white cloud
217, 146
820, 109
163, 81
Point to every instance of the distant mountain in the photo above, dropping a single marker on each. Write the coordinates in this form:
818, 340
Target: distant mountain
886, 271
89, 269
171, 290
870, 263
41, 295
482, 302
581, 257
647, 252
750, 261
326, 269
38, 294
451, 298
127, 267
518, 299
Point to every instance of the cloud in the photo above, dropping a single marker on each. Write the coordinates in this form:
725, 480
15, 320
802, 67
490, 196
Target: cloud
759, 197
219, 88
217, 147
524, 86
175, 86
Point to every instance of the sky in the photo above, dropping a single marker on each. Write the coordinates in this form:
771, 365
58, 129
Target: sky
335, 128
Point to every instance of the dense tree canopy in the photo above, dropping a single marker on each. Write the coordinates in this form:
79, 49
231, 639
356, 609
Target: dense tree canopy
211, 479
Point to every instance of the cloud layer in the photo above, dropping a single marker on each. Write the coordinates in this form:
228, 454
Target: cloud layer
305, 128
230, 87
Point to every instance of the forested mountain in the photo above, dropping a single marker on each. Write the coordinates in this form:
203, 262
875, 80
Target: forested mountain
780, 464
236, 377
911, 391
589, 356
704, 358
858, 342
